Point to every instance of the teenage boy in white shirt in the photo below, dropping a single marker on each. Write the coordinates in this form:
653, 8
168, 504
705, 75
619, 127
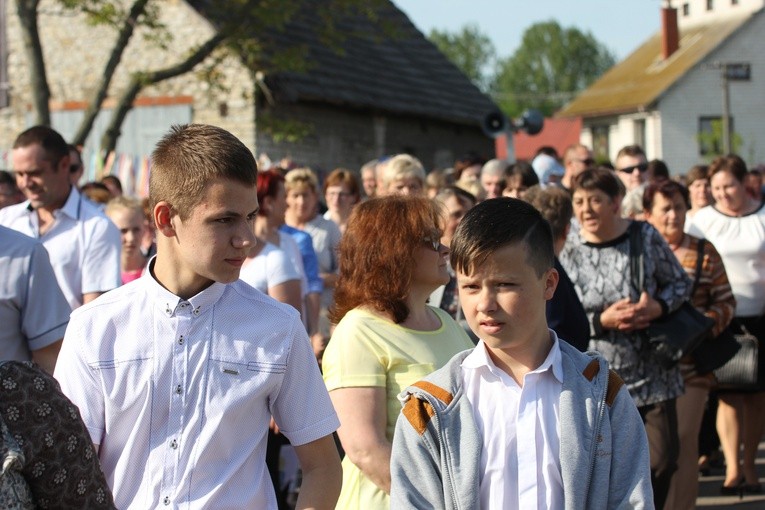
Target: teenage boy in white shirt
524, 420
178, 373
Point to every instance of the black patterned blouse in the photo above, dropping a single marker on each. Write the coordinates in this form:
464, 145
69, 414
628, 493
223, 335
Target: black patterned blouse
60, 464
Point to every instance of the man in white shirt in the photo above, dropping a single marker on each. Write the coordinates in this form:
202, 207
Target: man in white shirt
83, 245
524, 420
178, 373
33, 311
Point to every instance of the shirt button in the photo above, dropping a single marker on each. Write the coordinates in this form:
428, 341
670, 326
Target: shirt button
180, 340
173, 444
166, 501
178, 389
196, 311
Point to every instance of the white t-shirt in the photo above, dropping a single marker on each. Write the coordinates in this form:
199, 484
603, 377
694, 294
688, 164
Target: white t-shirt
269, 268
179, 393
740, 241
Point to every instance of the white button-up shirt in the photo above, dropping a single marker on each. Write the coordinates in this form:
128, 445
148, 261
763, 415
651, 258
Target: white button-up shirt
84, 245
520, 429
179, 394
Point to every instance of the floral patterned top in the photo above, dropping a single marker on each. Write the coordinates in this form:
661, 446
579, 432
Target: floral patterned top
60, 463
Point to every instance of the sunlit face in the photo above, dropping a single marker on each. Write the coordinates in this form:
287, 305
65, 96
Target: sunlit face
339, 199
470, 174
579, 160
514, 187
504, 300
492, 185
455, 210
369, 181
410, 186
131, 224
668, 216
213, 242
302, 202
430, 266
729, 193
635, 173
700, 193
595, 210
45, 183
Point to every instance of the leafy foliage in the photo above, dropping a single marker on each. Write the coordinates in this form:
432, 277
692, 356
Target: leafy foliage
551, 65
470, 50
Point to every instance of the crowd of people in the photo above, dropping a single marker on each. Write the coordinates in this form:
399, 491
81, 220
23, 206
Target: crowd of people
384, 337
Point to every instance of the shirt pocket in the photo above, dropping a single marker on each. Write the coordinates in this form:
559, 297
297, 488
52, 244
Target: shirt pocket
243, 381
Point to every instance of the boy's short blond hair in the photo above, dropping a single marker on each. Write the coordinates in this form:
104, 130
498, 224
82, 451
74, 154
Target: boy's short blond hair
123, 202
189, 157
300, 177
402, 166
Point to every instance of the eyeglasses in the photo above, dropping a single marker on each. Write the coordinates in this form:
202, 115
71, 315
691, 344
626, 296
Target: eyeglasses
433, 242
340, 194
629, 169
586, 162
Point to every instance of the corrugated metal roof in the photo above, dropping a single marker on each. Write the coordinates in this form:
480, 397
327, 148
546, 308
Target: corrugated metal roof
639, 80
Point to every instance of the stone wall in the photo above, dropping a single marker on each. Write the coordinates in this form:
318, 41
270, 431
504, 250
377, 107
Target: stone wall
348, 138
76, 52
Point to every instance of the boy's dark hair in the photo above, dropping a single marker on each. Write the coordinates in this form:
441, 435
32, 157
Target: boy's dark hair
50, 140
495, 223
189, 157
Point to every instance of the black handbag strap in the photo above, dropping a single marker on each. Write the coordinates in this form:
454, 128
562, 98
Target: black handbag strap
636, 256
699, 264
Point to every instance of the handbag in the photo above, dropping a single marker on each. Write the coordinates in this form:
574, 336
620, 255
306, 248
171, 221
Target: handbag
713, 352
15, 493
675, 334
741, 371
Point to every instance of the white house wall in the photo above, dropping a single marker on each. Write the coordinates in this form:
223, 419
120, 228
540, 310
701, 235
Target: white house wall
699, 93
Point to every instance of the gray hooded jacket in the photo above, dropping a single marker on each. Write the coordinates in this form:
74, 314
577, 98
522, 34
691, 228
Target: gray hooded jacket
604, 459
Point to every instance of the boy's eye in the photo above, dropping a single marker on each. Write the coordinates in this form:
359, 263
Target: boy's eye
252, 216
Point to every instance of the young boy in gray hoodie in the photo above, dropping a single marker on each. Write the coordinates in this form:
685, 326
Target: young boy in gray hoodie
524, 420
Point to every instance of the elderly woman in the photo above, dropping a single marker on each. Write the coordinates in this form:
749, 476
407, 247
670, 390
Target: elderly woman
387, 337
735, 224
341, 193
303, 214
597, 259
401, 175
665, 205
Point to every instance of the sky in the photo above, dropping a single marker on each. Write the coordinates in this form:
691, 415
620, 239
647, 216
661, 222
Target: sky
621, 25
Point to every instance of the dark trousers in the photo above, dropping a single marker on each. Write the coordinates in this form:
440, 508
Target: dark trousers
660, 422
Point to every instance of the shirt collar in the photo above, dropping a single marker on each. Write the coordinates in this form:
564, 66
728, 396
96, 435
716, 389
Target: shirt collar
71, 206
169, 304
553, 362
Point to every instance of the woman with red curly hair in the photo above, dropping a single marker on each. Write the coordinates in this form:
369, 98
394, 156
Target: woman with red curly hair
387, 336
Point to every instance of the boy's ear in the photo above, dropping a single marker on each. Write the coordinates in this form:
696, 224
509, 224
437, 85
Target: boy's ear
551, 282
163, 216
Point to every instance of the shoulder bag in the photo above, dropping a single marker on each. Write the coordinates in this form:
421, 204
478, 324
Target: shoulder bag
713, 352
740, 371
675, 334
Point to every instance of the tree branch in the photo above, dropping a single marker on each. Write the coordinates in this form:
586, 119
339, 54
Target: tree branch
94, 105
38, 80
143, 79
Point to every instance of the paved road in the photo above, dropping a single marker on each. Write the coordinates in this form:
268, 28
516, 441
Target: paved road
709, 490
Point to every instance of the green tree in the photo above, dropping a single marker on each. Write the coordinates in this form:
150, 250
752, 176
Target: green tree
551, 65
470, 50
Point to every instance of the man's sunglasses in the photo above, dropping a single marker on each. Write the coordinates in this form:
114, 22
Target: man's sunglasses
629, 169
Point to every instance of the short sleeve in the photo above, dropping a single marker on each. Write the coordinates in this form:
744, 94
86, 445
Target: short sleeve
279, 268
43, 293
302, 407
101, 264
353, 357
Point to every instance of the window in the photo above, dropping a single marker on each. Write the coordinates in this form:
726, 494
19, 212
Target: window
686, 9
710, 136
710, 5
600, 142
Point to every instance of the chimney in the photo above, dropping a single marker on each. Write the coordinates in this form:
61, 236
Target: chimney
670, 35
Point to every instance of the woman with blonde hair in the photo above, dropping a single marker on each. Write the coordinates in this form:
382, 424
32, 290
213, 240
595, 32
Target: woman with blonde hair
387, 336
402, 175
